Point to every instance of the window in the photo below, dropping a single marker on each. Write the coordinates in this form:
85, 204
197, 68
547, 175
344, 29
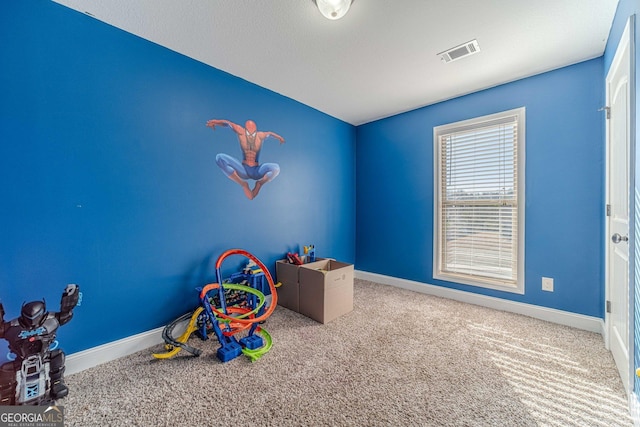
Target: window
479, 201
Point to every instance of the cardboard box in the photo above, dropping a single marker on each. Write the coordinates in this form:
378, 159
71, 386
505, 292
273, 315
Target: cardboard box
325, 289
288, 292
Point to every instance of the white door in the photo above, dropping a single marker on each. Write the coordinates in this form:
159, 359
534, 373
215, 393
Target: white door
618, 142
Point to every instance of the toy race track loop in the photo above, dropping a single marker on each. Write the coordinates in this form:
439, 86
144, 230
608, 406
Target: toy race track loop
226, 321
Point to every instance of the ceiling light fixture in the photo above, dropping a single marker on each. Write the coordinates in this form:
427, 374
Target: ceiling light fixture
333, 9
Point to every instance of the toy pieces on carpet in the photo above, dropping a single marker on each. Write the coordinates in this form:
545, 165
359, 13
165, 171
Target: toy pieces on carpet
236, 306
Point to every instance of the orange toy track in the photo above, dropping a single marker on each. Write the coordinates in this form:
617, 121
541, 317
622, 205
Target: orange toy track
235, 326
267, 274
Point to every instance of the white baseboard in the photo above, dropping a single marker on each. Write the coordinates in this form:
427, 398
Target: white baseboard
95, 356
634, 409
580, 321
85, 359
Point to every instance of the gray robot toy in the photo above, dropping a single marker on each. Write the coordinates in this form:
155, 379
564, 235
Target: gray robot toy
34, 374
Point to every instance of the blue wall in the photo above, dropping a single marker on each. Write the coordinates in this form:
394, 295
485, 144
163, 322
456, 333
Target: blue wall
564, 187
109, 175
110, 178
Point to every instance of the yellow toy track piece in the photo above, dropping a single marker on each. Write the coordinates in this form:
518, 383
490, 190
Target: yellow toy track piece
191, 328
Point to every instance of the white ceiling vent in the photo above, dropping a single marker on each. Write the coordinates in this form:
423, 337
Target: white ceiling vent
455, 53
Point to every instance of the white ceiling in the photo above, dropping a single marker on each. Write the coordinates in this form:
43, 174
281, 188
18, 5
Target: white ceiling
381, 58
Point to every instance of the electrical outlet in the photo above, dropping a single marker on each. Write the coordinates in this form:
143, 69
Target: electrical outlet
547, 284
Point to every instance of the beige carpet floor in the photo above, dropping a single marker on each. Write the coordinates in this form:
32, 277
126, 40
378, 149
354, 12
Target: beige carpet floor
399, 359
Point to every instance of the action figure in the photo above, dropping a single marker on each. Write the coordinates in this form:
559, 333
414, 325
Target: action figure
35, 376
250, 139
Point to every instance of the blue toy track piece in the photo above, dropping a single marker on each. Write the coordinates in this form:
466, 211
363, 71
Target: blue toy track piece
229, 350
252, 342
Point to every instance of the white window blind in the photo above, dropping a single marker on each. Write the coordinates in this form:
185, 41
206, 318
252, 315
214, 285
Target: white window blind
479, 205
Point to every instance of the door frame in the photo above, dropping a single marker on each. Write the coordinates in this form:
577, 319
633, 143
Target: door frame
627, 37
